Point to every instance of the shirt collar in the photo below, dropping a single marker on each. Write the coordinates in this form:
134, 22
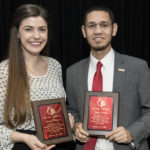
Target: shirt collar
107, 61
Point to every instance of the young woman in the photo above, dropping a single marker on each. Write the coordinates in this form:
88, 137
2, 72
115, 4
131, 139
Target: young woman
27, 75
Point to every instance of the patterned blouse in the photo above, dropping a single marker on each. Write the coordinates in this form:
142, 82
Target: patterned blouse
48, 86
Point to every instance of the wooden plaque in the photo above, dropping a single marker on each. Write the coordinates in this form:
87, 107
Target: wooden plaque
100, 112
52, 121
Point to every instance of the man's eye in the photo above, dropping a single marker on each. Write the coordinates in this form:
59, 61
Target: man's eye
91, 26
104, 25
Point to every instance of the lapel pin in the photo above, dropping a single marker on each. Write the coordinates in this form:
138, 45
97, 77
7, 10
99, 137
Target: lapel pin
121, 69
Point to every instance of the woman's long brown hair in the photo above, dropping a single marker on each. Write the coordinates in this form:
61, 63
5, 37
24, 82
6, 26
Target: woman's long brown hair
17, 106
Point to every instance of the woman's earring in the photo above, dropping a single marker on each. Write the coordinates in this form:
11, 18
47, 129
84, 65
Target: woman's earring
18, 36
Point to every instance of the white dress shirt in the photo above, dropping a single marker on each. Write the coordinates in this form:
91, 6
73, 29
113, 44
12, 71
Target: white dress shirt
107, 73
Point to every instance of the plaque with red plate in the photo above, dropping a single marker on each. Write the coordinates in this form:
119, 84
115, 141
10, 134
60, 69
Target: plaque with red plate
100, 112
52, 121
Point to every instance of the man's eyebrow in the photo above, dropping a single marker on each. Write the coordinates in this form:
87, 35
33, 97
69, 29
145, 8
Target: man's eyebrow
92, 22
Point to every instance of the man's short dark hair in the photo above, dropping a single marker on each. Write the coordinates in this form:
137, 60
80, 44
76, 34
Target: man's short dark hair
99, 8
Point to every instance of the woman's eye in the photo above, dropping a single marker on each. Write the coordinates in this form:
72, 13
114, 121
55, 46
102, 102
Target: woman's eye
42, 29
28, 29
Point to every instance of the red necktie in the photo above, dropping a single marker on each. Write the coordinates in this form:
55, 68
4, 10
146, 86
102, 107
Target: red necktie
97, 86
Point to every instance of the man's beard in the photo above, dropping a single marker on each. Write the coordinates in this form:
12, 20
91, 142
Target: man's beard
100, 48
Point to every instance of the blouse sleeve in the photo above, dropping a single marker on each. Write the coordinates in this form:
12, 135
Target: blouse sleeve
60, 78
5, 133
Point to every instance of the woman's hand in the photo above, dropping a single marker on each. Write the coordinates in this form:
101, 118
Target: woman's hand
31, 140
49, 147
35, 144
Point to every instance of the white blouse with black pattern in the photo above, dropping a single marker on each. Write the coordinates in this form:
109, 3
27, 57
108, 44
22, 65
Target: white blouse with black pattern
48, 86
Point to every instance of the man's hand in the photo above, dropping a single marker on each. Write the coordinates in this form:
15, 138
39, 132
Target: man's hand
120, 135
71, 120
80, 133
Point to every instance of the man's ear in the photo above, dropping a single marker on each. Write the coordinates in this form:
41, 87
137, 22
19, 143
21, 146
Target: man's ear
83, 31
115, 28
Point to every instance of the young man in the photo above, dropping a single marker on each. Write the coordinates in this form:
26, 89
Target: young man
127, 75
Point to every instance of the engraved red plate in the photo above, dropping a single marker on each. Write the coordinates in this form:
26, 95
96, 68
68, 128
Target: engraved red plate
52, 120
100, 113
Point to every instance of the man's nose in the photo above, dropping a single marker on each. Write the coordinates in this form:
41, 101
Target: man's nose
98, 29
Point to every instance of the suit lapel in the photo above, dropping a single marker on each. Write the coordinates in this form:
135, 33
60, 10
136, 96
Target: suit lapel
119, 77
83, 75
83, 87
119, 73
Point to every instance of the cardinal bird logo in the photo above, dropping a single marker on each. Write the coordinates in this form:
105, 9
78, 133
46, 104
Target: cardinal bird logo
51, 111
101, 102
